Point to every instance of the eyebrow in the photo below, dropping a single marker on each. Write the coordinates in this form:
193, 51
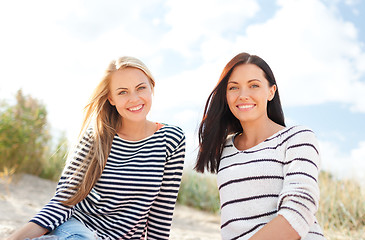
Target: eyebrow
122, 88
251, 80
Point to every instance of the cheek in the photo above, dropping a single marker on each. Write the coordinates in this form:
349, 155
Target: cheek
147, 96
230, 99
119, 101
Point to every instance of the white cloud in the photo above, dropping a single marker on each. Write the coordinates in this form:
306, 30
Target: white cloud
344, 165
194, 22
188, 88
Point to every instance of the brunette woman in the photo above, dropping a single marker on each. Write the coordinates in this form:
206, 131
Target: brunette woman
267, 173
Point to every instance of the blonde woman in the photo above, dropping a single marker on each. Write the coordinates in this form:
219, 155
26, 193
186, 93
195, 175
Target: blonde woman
122, 180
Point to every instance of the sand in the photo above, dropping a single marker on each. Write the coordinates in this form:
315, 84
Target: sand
23, 196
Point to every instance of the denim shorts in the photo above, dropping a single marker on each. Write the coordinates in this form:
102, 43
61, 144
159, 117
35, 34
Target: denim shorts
69, 230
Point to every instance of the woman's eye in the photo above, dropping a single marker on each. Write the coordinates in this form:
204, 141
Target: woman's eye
122, 93
255, 86
232, 88
142, 88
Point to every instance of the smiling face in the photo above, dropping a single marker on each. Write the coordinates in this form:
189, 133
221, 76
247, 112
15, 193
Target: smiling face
248, 92
131, 94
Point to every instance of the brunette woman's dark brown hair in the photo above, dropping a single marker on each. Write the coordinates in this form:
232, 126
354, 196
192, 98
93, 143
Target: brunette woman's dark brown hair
218, 121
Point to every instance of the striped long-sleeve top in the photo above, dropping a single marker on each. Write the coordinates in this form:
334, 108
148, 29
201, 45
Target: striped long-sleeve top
136, 193
277, 176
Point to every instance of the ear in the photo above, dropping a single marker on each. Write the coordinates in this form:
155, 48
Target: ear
111, 100
151, 86
272, 92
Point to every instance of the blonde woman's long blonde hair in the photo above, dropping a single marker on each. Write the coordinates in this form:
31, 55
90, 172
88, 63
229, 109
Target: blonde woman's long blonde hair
105, 121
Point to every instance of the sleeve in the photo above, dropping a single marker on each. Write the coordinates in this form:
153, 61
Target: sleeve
160, 217
55, 213
299, 198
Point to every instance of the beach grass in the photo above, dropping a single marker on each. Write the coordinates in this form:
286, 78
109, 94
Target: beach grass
199, 191
342, 207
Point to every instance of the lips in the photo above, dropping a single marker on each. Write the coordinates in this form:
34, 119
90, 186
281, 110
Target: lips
245, 107
136, 108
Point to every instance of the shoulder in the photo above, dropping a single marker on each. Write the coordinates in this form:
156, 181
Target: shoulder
299, 135
87, 137
89, 133
174, 137
229, 149
173, 131
229, 140
299, 132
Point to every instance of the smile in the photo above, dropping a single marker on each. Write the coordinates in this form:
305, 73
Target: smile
136, 108
245, 106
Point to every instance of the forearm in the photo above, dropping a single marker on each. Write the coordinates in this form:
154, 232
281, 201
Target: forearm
277, 229
30, 230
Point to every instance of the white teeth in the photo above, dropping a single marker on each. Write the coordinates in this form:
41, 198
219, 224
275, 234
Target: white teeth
135, 108
245, 106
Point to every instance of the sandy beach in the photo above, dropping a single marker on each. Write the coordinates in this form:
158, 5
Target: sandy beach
23, 196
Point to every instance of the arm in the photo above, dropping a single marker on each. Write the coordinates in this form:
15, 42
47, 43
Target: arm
30, 230
298, 200
160, 216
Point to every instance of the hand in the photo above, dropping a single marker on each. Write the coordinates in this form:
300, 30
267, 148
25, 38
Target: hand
277, 229
29, 230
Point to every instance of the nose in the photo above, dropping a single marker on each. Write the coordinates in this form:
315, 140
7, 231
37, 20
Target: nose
133, 96
243, 95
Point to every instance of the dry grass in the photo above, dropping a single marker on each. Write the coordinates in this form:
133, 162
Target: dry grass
342, 208
7, 176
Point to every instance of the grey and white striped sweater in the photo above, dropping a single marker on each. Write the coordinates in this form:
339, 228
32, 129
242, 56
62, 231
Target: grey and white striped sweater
277, 176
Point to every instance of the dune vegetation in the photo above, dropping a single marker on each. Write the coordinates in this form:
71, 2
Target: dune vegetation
26, 144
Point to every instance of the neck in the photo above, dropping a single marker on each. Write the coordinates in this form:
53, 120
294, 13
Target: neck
256, 132
136, 130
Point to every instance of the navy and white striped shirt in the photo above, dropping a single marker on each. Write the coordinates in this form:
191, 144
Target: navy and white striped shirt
277, 176
136, 193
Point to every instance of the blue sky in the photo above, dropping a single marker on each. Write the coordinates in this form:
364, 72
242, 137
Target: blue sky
57, 51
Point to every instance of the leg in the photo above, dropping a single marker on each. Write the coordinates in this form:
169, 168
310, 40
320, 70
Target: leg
73, 229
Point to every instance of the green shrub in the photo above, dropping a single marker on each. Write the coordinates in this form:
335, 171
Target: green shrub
199, 191
25, 140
